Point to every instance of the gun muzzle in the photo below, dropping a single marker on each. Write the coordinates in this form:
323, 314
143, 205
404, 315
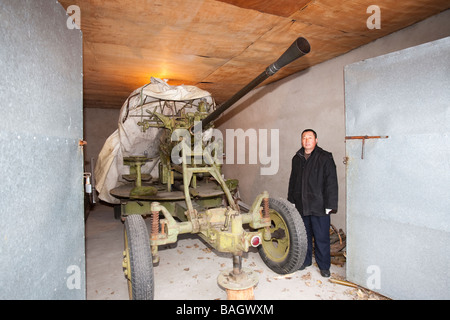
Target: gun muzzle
298, 48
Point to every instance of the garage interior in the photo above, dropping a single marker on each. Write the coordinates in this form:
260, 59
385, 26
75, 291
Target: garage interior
64, 83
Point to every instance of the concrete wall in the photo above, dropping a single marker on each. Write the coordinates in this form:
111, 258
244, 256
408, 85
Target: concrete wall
99, 124
313, 98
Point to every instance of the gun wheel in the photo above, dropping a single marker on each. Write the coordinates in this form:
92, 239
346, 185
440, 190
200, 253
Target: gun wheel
137, 262
286, 250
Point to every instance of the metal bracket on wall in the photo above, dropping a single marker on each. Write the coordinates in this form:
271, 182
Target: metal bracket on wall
363, 138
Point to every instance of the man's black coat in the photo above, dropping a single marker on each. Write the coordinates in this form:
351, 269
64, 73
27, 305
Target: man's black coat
313, 183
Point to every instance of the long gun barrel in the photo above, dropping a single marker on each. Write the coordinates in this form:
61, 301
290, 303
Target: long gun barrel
298, 48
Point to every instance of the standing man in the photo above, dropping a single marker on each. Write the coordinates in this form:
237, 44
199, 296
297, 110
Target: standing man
313, 188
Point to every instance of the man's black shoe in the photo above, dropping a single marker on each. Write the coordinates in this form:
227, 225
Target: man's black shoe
325, 273
303, 266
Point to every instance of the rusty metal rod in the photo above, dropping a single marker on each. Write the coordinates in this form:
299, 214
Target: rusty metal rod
363, 138
344, 283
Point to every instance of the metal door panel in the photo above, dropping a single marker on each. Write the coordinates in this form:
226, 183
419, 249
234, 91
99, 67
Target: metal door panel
41, 204
398, 203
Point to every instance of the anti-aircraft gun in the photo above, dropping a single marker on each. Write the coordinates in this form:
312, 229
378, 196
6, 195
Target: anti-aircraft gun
191, 195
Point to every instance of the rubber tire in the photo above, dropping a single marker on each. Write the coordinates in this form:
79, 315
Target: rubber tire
293, 257
139, 258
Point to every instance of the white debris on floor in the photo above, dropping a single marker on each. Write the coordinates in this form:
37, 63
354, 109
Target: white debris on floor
188, 270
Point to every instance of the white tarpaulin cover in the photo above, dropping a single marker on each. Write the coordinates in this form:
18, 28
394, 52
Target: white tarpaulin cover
130, 140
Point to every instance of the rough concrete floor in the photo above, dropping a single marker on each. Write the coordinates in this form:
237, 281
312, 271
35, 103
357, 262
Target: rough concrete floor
188, 270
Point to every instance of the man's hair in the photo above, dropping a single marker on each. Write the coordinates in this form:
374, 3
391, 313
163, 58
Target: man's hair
306, 130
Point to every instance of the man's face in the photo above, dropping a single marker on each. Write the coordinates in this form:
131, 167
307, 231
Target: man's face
309, 141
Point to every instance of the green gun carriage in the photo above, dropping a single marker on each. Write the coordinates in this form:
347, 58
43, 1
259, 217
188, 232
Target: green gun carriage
190, 194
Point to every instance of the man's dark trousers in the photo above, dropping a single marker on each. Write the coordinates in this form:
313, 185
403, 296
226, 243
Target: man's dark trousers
318, 227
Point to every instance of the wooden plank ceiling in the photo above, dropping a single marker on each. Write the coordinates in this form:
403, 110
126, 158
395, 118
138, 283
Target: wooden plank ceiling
220, 45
